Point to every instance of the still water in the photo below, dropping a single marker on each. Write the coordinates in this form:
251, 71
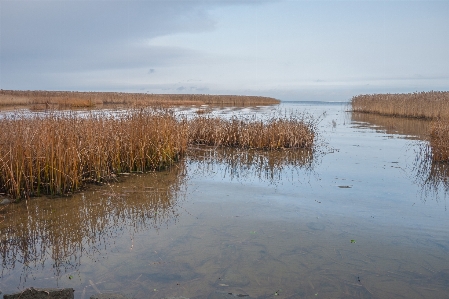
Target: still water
364, 216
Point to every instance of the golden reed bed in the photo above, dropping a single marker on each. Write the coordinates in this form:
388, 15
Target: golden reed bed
433, 105
67, 99
57, 153
429, 105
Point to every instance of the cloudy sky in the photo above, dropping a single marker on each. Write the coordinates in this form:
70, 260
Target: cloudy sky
291, 50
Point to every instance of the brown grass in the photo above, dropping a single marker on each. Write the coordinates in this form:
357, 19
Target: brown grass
433, 105
427, 105
439, 140
276, 133
58, 153
68, 99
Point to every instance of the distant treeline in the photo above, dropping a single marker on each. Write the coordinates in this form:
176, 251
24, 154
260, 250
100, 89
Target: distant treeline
60, 99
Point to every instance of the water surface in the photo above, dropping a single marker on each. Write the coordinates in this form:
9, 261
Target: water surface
362, 217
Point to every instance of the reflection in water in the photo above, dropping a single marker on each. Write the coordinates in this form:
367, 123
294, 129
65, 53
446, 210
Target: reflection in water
432, 176
244, 165
60, 232
392, 125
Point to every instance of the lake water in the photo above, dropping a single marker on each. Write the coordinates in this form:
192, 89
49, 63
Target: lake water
365, 216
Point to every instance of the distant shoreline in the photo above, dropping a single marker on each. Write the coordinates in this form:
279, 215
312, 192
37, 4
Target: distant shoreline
40, 99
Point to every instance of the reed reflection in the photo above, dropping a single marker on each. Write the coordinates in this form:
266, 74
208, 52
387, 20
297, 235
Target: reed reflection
247, 165
392, 125
63, 232
432, 176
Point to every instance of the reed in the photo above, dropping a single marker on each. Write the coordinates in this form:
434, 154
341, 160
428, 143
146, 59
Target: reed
69, 99
275, 133
426, 105
439, 140
58, 153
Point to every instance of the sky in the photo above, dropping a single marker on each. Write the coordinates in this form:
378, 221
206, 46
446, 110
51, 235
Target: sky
290, 50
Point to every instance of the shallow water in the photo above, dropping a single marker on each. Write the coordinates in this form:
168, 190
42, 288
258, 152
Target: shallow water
364, 217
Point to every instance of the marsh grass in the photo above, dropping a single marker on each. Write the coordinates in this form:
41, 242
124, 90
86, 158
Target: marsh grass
426, 105
67, 99
57, 153
250, 133
439, 140
433, 105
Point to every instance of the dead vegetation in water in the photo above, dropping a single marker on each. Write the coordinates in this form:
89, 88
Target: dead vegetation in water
433, 105
439, 140
426, 105
57, 153
275, 133
41, 100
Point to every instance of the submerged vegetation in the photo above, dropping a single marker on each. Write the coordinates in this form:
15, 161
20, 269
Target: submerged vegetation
39, 100
57, 153
433, 105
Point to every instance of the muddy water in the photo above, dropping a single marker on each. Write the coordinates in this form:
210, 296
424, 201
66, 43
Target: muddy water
364, 217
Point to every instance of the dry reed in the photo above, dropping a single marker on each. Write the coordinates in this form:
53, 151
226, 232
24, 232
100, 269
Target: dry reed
58, 153
276, 133
433, 105
428, 105
439, 140
69, 99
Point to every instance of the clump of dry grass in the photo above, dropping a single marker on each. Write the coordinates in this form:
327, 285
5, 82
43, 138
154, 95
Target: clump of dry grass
439, 140
68, 99
275, 133
58, 153
428, 105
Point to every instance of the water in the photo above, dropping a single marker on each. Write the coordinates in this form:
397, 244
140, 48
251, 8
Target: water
363, 217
